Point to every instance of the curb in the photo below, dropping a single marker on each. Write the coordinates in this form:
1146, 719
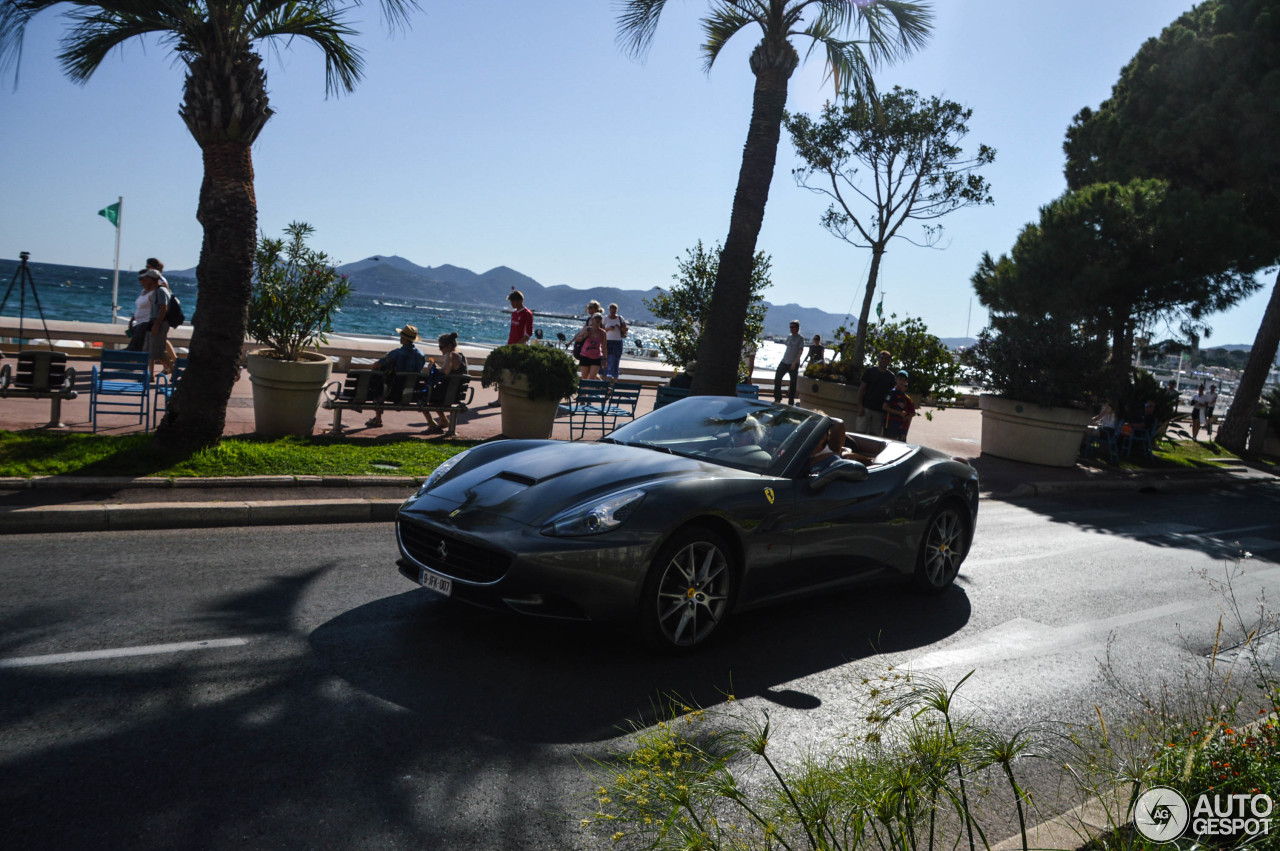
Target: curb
103, 517
1145, 482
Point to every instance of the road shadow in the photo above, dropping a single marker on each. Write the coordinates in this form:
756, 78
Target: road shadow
527, 680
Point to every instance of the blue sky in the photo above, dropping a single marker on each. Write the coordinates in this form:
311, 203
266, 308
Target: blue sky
519, 134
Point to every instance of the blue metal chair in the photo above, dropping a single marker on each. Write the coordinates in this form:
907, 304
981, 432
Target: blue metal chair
667, 395
623, 398
120, 383
587, 410
1098, 440
165, 385
748, 391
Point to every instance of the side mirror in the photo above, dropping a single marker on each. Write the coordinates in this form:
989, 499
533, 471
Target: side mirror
838, 470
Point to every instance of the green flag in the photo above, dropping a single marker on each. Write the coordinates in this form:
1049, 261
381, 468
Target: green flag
111, 214
880, 310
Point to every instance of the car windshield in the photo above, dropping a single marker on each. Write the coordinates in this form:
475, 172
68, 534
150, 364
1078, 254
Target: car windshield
742, 433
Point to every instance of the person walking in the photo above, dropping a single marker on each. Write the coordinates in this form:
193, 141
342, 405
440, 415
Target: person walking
872, 392
615, 328
817, 352
591, 354
398, 361
790, 364
521, 319
140, 321
156, 343
1199, 409
1210, 399
170, 356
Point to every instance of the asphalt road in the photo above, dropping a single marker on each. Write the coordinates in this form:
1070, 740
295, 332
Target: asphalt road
286, 688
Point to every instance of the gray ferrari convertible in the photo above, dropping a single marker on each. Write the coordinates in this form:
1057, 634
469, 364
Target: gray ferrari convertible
674, 521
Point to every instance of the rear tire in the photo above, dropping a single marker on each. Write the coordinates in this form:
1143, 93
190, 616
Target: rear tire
942, 549
688, 591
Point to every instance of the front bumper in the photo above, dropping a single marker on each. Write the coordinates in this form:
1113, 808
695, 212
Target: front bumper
505, 566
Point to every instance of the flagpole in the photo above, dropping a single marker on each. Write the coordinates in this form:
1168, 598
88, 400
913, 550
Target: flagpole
115, 279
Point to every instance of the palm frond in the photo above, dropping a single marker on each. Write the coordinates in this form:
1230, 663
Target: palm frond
94, 34
723, 22
343, 62
14, 17
637, 22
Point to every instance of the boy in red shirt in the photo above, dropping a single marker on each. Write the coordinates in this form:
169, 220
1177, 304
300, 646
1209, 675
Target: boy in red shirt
898, 409
521, 319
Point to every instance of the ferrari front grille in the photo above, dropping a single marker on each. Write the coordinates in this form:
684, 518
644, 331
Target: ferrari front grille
451, 556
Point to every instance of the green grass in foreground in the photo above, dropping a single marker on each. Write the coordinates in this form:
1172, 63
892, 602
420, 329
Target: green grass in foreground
35, 453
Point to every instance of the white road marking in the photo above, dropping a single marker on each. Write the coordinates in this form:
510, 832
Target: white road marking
118, 652
1021, 637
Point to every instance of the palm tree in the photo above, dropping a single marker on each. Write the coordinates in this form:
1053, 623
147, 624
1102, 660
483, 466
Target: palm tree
892, 28
225, 107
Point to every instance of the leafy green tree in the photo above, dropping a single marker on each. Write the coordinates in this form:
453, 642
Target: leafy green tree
684, 311
1197, 107
890, 29
1044, 359
932, 369
225, 107
885, 162
1115, 258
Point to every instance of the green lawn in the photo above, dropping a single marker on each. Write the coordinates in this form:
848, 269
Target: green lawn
37, 453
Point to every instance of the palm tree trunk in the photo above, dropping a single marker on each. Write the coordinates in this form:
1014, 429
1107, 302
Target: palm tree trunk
860, 341
720, 349
1235, 428
229, 213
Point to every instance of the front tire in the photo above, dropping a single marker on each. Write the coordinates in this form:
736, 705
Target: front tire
688, 591
943, 548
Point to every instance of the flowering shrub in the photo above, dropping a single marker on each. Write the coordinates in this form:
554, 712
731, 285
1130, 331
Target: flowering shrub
296, 292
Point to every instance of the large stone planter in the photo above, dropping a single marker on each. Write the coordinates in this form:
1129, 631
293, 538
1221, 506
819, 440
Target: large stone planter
1263, 439
833, 399
1024, 431
286, 394
522, 417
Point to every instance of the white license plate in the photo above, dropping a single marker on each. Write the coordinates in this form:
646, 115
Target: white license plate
435, 582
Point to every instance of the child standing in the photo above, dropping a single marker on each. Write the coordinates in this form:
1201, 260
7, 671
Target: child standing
898, 409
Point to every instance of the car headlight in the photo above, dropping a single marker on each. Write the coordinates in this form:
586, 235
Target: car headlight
595, 517
440, 472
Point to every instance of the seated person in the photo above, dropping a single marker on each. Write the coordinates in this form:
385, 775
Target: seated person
1149, 418
684, 380
399, 361
454, 361
833, 447
745, 438
1106, 418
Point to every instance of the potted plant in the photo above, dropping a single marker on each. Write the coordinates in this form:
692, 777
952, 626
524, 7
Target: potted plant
531, 382
296, 291
1264, 431
1041, 371
833, 386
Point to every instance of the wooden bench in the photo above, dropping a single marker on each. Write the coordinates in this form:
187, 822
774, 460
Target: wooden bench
40, 375
366, 388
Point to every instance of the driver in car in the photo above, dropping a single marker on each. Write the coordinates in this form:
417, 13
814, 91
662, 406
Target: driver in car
833, 447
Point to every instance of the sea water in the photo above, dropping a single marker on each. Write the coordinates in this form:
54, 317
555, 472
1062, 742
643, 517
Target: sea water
80, 294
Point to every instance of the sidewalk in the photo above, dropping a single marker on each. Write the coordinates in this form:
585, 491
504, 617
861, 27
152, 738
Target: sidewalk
95, 504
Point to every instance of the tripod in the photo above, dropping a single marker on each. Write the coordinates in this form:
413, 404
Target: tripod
23, 274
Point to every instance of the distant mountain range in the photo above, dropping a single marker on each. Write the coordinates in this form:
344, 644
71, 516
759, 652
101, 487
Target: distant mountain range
390, 275
395, 276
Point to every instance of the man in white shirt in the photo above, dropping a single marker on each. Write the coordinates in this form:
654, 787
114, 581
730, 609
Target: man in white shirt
790, 364
614, 329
